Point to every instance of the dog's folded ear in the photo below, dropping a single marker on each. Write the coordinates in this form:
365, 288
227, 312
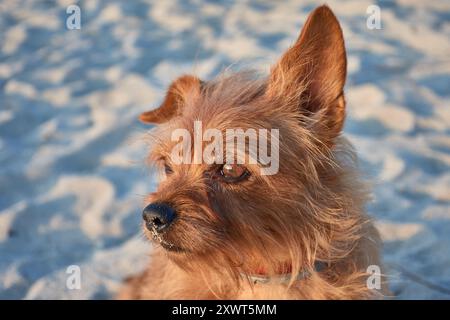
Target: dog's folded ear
312, 73
174, 101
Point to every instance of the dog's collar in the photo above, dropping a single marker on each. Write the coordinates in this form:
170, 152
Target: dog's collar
260, 277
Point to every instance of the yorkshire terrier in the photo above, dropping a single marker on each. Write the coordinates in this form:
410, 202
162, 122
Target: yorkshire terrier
285, 218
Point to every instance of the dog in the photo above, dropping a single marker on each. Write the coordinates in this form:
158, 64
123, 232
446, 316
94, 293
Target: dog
228, 231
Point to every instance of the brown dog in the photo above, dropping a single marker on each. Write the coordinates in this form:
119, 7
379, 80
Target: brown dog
229, 231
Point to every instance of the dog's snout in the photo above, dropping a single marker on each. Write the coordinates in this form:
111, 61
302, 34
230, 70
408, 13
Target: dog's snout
158, 216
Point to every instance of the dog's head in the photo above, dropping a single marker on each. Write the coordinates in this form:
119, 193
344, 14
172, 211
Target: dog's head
218, 212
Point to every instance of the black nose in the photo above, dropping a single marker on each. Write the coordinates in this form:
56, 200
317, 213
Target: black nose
158, 216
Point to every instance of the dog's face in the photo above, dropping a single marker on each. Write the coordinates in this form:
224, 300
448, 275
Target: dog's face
232, 214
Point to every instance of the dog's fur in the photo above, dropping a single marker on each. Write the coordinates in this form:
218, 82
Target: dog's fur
311, 210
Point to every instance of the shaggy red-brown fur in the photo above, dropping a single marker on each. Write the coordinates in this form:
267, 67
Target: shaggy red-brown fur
311, 211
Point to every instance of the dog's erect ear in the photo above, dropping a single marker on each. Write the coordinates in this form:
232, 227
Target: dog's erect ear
313, 72
174, 100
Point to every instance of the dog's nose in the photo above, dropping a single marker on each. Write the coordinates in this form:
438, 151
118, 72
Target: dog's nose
158, 216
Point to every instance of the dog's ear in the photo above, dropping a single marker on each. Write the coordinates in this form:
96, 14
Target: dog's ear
174, 100
313, 71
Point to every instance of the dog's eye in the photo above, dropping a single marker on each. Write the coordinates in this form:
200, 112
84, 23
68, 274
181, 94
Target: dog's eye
233, 172
167, 169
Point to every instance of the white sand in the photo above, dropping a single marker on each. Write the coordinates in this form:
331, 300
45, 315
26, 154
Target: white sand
72, 174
